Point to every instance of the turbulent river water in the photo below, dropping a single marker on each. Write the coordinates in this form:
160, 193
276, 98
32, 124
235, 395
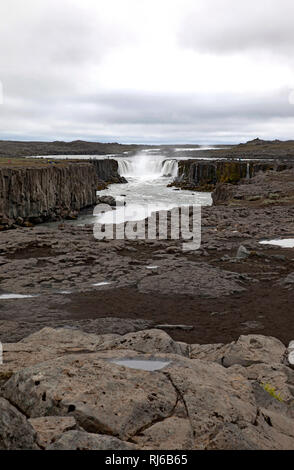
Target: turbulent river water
148, 173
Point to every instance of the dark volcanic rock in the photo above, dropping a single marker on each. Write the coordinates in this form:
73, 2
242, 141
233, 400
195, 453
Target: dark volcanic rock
36, 192
204, 175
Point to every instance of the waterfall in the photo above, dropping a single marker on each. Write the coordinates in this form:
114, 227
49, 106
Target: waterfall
123, 167
147, 166
170, 168
248, 171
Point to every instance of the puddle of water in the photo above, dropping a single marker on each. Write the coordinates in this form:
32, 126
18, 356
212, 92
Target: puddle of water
101, 284
151, 267
283, 243
15, 296
150, 365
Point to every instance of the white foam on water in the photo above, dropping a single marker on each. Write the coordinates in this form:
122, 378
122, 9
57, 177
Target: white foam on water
15, 296
149, 365
283, 243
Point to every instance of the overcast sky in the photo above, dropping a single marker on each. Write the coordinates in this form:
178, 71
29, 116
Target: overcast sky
150, 71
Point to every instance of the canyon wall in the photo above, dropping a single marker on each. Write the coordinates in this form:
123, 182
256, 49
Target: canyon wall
204, 175
36, 192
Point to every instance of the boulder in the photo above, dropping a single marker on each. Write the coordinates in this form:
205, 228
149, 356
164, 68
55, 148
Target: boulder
173, 434
81, 440
290, 355
209, 352
213, 397
199, 279
108, 200
148, 341
16, 433
242, 253
50, 428
230, 437
47, 344
276, 379
267, 433
254, 349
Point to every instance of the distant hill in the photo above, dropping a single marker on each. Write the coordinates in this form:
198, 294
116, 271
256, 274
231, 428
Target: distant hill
77, 147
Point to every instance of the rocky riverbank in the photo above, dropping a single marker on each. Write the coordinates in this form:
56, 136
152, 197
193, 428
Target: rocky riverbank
33, 192
204, 175
65, 389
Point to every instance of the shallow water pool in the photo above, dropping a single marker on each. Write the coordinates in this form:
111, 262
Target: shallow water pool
150, 365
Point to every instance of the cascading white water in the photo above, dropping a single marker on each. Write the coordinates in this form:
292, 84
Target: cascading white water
170, 168
123, 167
147, 166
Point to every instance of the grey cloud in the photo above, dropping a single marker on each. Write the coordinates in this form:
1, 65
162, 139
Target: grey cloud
158, 118
49, 48
229, 26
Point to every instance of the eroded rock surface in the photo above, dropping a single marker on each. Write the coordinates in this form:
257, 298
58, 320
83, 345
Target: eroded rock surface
50, 428
16, 433
81, 440
78, 398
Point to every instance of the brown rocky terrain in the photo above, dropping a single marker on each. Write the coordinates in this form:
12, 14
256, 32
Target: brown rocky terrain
62, 390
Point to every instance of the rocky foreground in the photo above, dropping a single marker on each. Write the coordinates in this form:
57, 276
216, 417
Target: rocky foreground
70, 304
60, 390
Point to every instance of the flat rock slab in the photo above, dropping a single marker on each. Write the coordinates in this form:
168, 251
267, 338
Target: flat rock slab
102, 397
254, 349
50, 428
47, 344
246, 351
173, 433
50, 343
196, 279
81, 440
